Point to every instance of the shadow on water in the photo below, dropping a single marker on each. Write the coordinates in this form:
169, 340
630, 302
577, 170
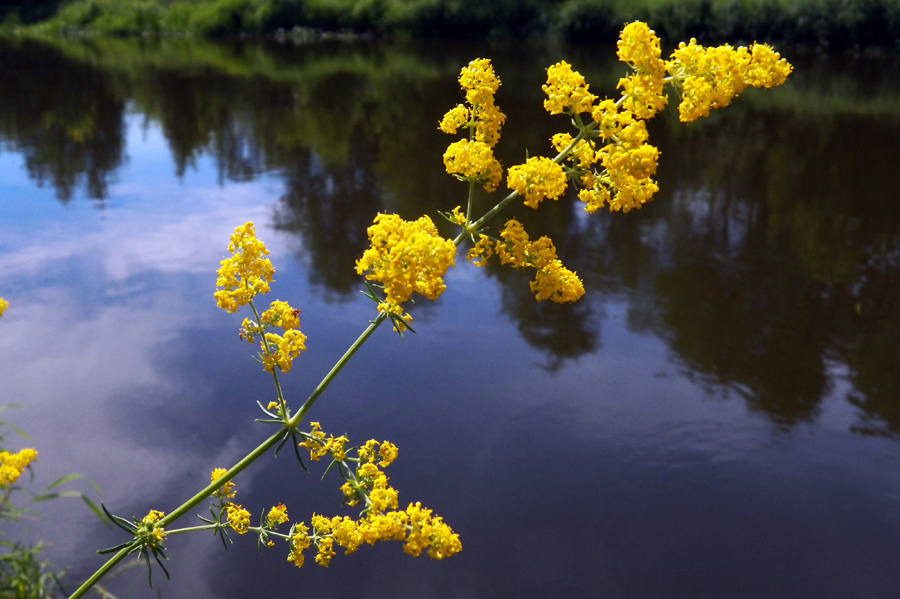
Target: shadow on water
770, 256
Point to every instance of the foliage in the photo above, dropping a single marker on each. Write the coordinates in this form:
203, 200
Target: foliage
820, 23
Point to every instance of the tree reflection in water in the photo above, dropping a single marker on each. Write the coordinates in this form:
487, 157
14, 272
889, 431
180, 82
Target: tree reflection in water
771, 255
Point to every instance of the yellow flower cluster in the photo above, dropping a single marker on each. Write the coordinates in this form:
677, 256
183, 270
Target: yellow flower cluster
227, 489
277, 515
711, 77
319, 446
281, 314
473, 161
537, 179
480, 83
148, 532
238, 518
406, 257
566, 91
12, 465
3, 306
282, 350
246, 273
642, 90
381, 520
552, 281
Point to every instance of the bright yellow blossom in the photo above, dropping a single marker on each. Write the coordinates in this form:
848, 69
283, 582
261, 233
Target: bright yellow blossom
246, 273
454, 119
482, 250
227, 489
238, 518
566, 91
299, 542
3, 306
537, 179
473, 161
583, 154
283, 349
480, 83
281, 314
406, 256
12, 465
277, 515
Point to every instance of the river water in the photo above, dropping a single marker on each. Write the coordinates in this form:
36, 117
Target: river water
718, 417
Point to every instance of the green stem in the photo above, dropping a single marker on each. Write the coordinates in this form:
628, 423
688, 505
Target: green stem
296, 418
469, 206
84, 588
505, 201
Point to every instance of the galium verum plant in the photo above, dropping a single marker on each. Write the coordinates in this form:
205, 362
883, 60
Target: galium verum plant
607, 159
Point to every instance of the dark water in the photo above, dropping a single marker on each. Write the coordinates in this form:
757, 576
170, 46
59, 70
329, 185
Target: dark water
717, 418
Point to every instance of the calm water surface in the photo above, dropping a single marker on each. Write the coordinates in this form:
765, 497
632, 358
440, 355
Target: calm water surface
719, 416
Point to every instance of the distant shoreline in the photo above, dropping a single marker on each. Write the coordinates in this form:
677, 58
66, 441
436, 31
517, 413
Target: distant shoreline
822, 24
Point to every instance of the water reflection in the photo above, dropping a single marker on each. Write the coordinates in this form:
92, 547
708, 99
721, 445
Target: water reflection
771, 250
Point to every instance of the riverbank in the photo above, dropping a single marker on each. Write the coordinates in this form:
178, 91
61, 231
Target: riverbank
832, 24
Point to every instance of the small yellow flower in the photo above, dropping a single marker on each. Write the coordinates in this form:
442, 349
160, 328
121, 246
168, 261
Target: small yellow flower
12, 465
482, 250
457, 216
283, 350
454, 119
277, 515
227, 490
299, 541
238, 518
3, 306
148, 532
281, 314
388, 452
325, 551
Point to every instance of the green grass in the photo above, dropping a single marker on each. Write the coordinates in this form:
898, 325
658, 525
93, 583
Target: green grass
818, 23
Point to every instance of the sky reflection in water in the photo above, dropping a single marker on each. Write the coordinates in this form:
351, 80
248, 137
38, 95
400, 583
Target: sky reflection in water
716, 419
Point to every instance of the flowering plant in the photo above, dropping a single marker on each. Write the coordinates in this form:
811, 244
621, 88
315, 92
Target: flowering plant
608, 160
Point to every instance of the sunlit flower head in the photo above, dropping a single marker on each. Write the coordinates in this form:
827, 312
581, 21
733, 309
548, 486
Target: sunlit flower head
277, 515
473, 161
13, 464
282, 350
238, 518
246, 273
299, 541
3, 306
537, 179
406, 257
566, 91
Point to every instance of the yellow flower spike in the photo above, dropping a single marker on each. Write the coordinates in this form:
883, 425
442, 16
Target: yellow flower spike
566, 91
246, 273
406, 257
480, 83
227, 490
238, 518
537, 179
277, 515
299, 541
